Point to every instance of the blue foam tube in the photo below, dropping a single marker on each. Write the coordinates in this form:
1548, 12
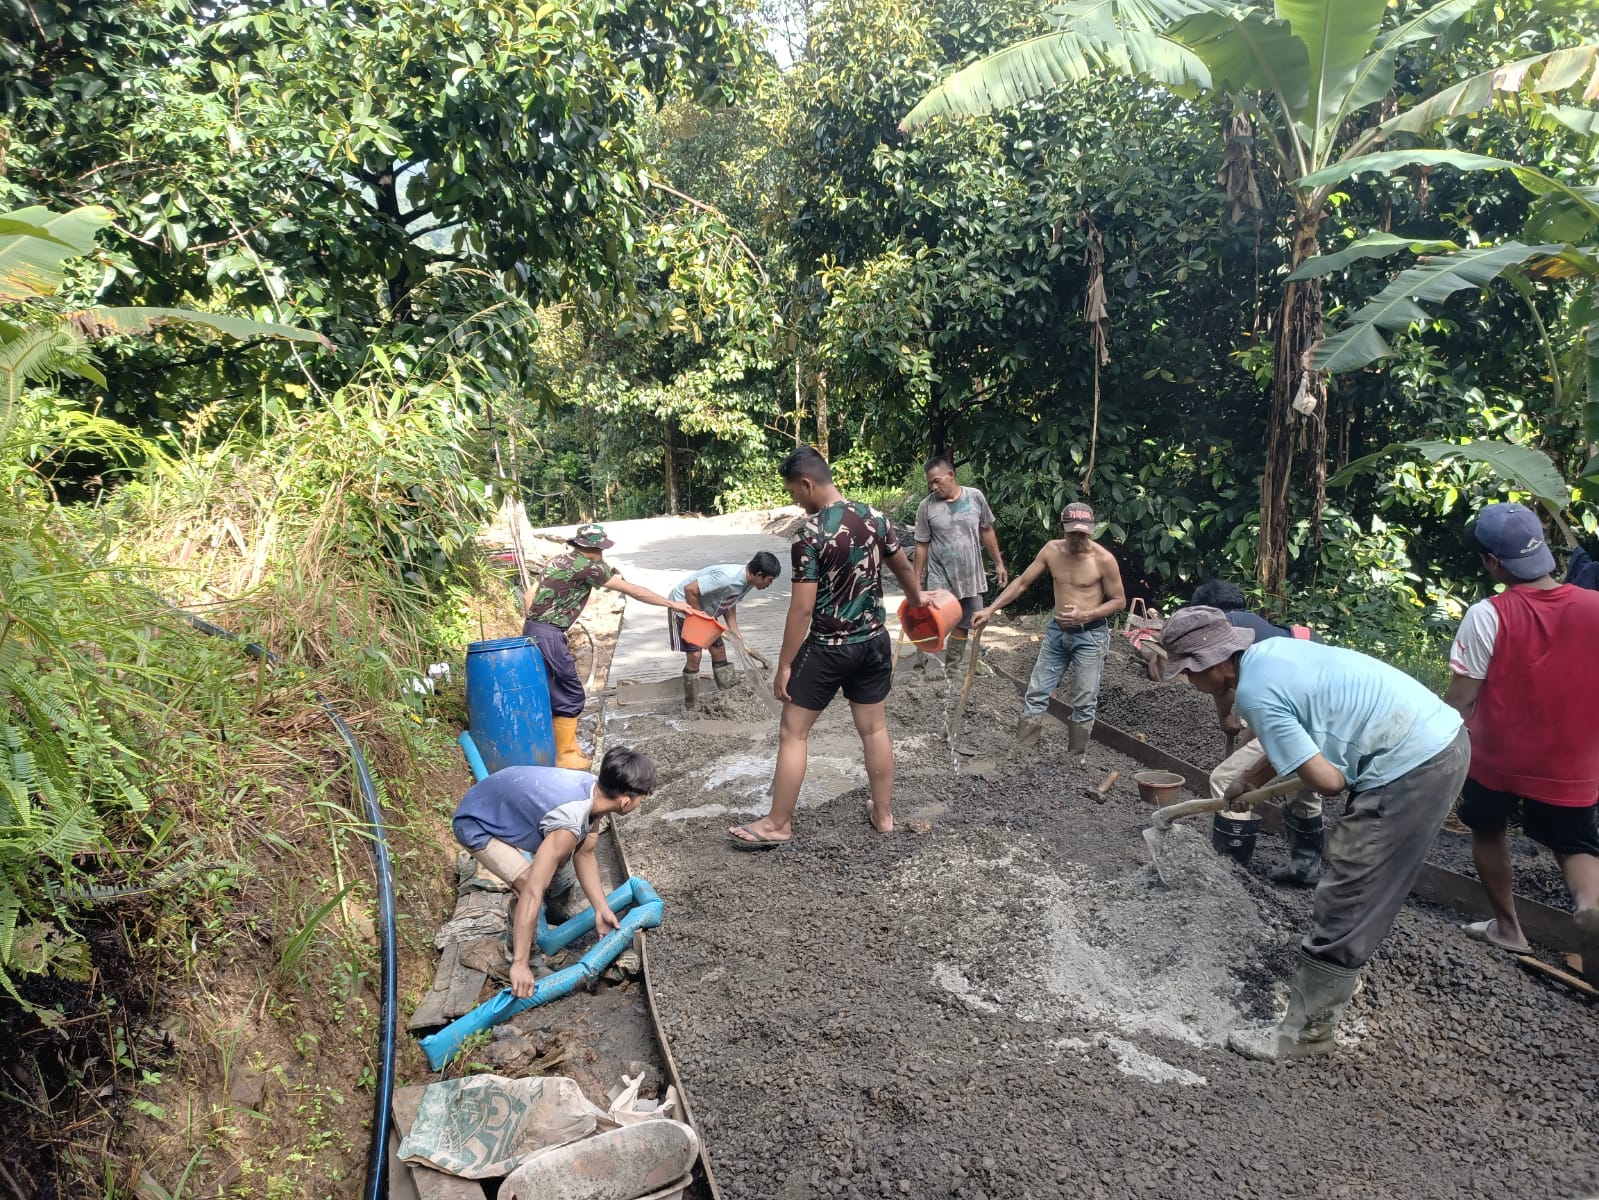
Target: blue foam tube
473, 758
646, 913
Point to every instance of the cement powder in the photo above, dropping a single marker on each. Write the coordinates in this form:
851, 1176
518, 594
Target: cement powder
1130, 1060
1125, 954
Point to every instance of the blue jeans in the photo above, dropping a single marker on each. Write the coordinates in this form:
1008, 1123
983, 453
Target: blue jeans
1084, 651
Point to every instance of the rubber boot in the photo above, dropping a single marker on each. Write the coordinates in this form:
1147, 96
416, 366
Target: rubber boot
1028, 731
1316, 1002
691, 688
568, 753
724, 674
1304, 851
955, 657
1077, 735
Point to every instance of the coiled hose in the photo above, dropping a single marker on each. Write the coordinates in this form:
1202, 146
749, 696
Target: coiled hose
377, 1158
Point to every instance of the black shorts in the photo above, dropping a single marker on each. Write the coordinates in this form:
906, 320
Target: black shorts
1561, 827
865, 670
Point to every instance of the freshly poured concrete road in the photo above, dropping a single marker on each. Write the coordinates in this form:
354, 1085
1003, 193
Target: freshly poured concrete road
659, 551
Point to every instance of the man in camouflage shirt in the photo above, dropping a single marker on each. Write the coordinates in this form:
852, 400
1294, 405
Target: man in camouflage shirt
834, 639
557, 600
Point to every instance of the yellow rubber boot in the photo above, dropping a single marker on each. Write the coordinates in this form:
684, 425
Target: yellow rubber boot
568, 753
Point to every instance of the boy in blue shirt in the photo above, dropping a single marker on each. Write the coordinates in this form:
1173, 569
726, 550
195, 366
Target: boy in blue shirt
717, 592
549, 812
1339, 720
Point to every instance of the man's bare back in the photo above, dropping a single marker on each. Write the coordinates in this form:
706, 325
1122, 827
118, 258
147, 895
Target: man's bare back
1084, 581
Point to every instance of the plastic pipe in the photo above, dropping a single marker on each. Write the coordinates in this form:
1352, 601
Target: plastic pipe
474, 760
645, 912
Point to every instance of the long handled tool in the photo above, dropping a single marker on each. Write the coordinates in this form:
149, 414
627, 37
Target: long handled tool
1162, 819
958, 717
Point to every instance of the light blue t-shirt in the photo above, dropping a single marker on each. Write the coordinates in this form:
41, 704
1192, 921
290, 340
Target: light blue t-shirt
522, 805
721, 587
1371, 721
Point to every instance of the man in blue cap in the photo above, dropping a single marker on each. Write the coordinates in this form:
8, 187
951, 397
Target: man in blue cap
1523, 664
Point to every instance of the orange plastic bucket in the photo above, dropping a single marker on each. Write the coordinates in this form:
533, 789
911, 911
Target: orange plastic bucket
702, 631
927, 627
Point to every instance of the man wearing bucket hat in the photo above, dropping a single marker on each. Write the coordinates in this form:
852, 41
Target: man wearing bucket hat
1338, 720
716, 592
1088, 590
553, 603
1523, 663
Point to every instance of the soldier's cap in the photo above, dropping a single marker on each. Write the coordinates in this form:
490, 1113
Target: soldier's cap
1077, 518
590, 537
1198, 637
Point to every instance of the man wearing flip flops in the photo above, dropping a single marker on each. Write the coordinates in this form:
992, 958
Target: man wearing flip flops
1524, 663
716, 592
835, 638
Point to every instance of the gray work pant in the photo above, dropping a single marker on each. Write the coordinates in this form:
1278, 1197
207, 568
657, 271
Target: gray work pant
1375, 853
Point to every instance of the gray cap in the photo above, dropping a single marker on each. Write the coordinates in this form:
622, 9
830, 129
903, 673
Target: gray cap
1198, 637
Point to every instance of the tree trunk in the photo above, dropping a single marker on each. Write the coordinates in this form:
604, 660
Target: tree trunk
386, 194
1287, 429
672, 503
821, 413
799, 405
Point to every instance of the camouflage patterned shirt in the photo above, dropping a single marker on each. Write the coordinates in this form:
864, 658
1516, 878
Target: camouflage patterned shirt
564, 586
841, 550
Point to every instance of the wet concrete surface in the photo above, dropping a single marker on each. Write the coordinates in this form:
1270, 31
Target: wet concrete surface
1000, 1000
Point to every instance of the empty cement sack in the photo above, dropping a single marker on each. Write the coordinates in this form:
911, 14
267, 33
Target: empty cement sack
481, 1127
625, 1164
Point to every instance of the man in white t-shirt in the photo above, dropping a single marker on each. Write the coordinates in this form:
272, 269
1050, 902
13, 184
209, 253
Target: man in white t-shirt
716, 591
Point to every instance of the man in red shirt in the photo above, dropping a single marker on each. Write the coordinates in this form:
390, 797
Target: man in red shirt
1523, 662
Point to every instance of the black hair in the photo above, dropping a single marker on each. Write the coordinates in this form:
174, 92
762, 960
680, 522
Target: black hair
1218, 593
805, 463
938, 460
765, 563
626, 772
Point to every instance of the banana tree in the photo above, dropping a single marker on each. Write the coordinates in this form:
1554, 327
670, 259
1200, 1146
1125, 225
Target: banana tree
1561, 210
1300, 77
40, 340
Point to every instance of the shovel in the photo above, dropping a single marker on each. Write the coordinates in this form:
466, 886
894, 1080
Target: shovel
1163, 817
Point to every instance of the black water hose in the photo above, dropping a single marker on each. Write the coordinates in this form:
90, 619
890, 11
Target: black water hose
377, 1158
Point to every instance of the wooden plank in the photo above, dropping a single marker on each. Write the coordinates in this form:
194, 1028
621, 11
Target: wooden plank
430, 1013
1547, 926
401, 1185
466, 989
429, 1184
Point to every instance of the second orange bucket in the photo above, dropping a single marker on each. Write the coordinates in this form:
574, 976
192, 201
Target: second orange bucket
702, 631
929, 626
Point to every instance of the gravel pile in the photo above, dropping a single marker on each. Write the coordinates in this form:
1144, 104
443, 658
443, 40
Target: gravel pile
1009, 1005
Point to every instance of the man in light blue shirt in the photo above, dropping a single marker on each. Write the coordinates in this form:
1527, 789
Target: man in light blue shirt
716, 592
1338, 719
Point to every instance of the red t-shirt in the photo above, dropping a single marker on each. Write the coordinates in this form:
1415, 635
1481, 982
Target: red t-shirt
1535, 730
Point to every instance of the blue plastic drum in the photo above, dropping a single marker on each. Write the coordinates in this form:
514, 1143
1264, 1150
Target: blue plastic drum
508, 704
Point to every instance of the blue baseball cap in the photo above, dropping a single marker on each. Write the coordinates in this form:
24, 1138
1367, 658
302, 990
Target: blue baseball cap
1513, 534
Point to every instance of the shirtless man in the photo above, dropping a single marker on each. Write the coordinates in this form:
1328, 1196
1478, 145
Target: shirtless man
1088, 589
